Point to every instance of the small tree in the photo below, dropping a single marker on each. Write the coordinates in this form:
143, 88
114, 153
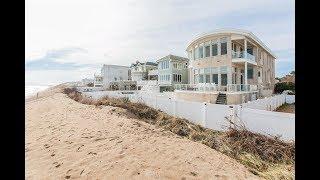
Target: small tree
90, 84
282, 86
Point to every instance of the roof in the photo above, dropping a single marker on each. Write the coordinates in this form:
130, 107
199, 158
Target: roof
142, 63
173, 57
115, 65
234, 31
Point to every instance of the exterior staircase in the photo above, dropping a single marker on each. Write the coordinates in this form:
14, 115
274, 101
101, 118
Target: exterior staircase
221, 99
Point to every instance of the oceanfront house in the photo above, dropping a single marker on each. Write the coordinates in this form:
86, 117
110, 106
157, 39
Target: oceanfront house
140, 71
97, 81
172, 70
232, 66
86, 82
111, 73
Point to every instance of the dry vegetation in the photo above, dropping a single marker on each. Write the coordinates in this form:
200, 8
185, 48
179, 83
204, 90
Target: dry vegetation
265, 156
287, 108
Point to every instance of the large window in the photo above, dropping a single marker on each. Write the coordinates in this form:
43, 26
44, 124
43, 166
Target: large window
201, 78
214, 49
177, 77
223, 48
215, 78
207, 78
250, 73
197, 53
207, 51
201, 52
196, 79
224, 79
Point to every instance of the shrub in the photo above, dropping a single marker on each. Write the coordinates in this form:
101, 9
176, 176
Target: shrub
281, 86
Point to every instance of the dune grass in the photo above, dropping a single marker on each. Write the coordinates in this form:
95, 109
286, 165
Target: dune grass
265, 156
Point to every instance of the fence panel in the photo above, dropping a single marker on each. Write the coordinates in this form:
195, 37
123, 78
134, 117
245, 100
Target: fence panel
267, 122
192, 111
290, 99
216, 116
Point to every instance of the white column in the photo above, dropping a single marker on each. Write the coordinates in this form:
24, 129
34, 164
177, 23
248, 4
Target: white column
246, 73
219, 47
245, 48
210, 48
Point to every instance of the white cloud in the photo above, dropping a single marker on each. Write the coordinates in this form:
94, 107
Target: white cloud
119, 32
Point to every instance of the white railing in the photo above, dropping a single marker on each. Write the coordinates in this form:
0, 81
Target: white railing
241, 54
212, 115
196, 87
241, 87
270, 103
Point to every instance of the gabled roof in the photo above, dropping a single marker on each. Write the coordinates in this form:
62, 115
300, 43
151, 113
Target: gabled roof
173, 57
233, 31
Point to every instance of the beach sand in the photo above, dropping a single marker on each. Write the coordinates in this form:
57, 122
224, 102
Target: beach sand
69, 140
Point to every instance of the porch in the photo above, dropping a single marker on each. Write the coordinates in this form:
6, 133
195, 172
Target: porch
212, 87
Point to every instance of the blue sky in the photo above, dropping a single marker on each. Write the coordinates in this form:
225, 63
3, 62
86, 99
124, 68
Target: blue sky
70, 40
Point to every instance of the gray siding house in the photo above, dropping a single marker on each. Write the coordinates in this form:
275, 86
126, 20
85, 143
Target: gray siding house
172, 70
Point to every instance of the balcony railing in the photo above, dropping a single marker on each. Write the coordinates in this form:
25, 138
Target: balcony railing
241, 87
205, 87
241, 54
196, 87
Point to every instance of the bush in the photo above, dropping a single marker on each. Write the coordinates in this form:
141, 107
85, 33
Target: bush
281, 86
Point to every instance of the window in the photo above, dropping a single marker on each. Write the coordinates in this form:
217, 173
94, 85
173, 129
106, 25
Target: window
201, 52
207, 78
197, 53
177, 77
259, 74
250, 73
224, 79
201, 78
196, 79
207, 51
215, 78
223, 48
214, 49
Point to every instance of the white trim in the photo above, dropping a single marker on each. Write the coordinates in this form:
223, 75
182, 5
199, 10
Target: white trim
233, 31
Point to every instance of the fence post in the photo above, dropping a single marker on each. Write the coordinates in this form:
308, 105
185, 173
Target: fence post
156, 105
174, 107
204, 114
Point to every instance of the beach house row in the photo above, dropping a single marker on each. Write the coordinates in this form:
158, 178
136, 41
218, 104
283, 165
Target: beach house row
227, 65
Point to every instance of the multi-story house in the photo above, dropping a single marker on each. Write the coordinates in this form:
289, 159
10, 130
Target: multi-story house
234, 61
111, 73
172, 70
97, 80
140, 71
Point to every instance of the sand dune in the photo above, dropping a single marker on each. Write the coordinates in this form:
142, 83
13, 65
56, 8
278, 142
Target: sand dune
68, 140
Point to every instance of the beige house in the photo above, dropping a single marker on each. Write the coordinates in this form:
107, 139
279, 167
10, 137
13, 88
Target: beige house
232, 61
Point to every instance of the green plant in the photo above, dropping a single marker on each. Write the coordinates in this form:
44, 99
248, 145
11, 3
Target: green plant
281, 86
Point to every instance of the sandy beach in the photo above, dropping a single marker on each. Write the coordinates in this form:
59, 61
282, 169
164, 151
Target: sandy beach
69, 140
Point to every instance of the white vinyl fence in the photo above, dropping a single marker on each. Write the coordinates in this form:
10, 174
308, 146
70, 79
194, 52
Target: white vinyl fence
270, 103
213, 116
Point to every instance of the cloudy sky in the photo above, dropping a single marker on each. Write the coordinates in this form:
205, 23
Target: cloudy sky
67, 40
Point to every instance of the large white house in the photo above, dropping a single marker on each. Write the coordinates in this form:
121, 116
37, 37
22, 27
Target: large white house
112, 73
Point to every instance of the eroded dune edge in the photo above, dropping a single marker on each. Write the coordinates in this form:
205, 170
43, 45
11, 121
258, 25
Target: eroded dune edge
68, 139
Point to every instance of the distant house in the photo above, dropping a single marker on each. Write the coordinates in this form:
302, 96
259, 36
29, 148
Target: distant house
86, 81
140, 70
172, 70
97, 81
111, 73
288, 78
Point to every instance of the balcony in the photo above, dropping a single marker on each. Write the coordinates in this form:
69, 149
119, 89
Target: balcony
239, 56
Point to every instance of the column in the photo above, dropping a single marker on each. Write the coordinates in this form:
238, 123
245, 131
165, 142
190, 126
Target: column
219, 47
246, 73
210, 48
245, 49
219, 79
229, 75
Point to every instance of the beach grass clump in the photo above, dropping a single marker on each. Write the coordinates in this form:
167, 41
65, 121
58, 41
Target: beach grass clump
259, 153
